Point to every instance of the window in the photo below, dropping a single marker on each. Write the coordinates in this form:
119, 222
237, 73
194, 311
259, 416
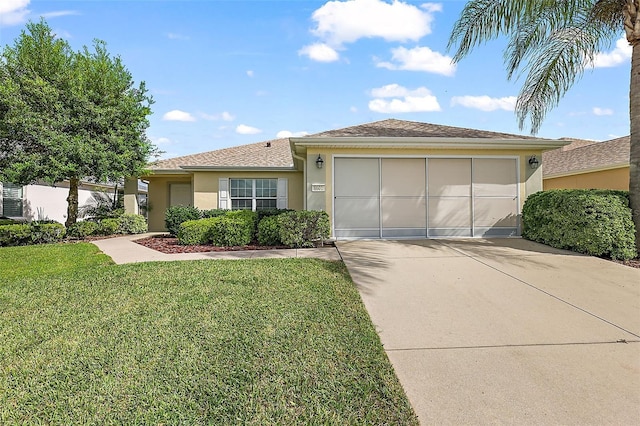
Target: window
11, 200
253, 194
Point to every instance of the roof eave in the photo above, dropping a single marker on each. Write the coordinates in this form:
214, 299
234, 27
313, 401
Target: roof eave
238, 168
427, 142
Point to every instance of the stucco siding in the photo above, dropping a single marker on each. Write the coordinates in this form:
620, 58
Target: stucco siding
205, 191
603, 179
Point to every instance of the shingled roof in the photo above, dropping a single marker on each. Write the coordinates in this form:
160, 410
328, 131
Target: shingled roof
592, 156
277, 153
270, 154
403, 128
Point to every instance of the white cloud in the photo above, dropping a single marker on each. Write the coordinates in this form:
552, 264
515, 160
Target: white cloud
339, 22
288, 134
602, 111
176, 36
420, 59
224, 116
250, 73
59, 13
620, 55
353, 109
63, 34
319, 52
13, 12
247, 130
177, 115
403, 100
160, 140
485, 103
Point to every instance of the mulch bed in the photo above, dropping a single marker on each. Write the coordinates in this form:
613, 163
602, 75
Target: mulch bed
169, 245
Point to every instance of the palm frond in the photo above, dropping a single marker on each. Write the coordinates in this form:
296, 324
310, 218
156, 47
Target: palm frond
484, 20
553, 68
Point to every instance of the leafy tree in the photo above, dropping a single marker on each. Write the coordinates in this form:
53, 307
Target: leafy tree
551, 42
68, 115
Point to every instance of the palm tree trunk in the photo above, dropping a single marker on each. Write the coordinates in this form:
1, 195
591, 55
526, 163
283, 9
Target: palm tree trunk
634, 154
72, 202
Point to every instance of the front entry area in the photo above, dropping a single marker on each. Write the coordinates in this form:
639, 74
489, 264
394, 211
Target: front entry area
425, 197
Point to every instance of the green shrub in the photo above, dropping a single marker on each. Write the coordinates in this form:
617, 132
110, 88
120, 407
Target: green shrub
8, 222
195, 232
109, 226
83, 229
248, 216
231, 230
595, 222
175, 215
15, 235
269, 231
132, 224
45, 233
303, 228
271, 212
213, 213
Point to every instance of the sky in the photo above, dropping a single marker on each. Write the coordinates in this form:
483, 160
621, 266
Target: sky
225, 73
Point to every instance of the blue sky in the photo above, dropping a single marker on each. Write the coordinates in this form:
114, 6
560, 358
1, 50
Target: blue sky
225, 73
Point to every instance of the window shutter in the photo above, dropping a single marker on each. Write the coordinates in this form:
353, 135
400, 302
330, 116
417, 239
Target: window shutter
283, 190
11, 200
223, 194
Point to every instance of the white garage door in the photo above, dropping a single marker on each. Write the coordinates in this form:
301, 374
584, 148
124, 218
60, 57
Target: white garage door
418, 197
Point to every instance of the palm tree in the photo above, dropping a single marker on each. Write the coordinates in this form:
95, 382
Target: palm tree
551, 42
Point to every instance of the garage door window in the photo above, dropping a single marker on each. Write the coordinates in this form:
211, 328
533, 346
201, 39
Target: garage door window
253, 194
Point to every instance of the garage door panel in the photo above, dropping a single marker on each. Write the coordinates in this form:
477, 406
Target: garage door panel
449, 177
403, 177
409, 212
361, 212
496, 212
357, 177
495, 177
449, 212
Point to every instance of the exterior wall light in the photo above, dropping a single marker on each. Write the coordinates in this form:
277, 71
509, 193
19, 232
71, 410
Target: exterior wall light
533, 162
319, 162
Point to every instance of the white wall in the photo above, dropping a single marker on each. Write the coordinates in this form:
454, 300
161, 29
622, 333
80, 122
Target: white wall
47, 202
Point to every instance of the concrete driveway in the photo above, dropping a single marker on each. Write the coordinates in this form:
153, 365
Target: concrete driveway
504, 331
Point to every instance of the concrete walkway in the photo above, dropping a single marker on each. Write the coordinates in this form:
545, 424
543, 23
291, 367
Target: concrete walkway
124, 250
504, 331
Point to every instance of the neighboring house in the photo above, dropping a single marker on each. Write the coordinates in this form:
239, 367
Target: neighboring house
588, 164
44, 201
389, 178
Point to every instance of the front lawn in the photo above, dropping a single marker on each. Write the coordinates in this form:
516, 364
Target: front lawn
273, 341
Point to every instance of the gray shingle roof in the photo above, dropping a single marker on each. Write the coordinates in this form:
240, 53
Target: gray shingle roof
403, 128
278, 155
587, 157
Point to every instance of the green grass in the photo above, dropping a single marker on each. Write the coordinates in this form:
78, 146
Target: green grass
273, 341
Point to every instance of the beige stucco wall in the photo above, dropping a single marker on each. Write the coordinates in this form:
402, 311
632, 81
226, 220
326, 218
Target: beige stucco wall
158, 198
530, 179
205, 191
603, 179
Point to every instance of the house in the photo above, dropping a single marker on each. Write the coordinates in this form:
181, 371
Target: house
390, 178
588, 164
386, 179
41, 201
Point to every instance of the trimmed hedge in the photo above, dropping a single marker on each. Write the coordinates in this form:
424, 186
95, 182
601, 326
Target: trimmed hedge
175, 215
195, 232
594, 222
303, 228
109, 226
132, 224
45, 233
229, 231
31, 233
83, 229
269, 231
